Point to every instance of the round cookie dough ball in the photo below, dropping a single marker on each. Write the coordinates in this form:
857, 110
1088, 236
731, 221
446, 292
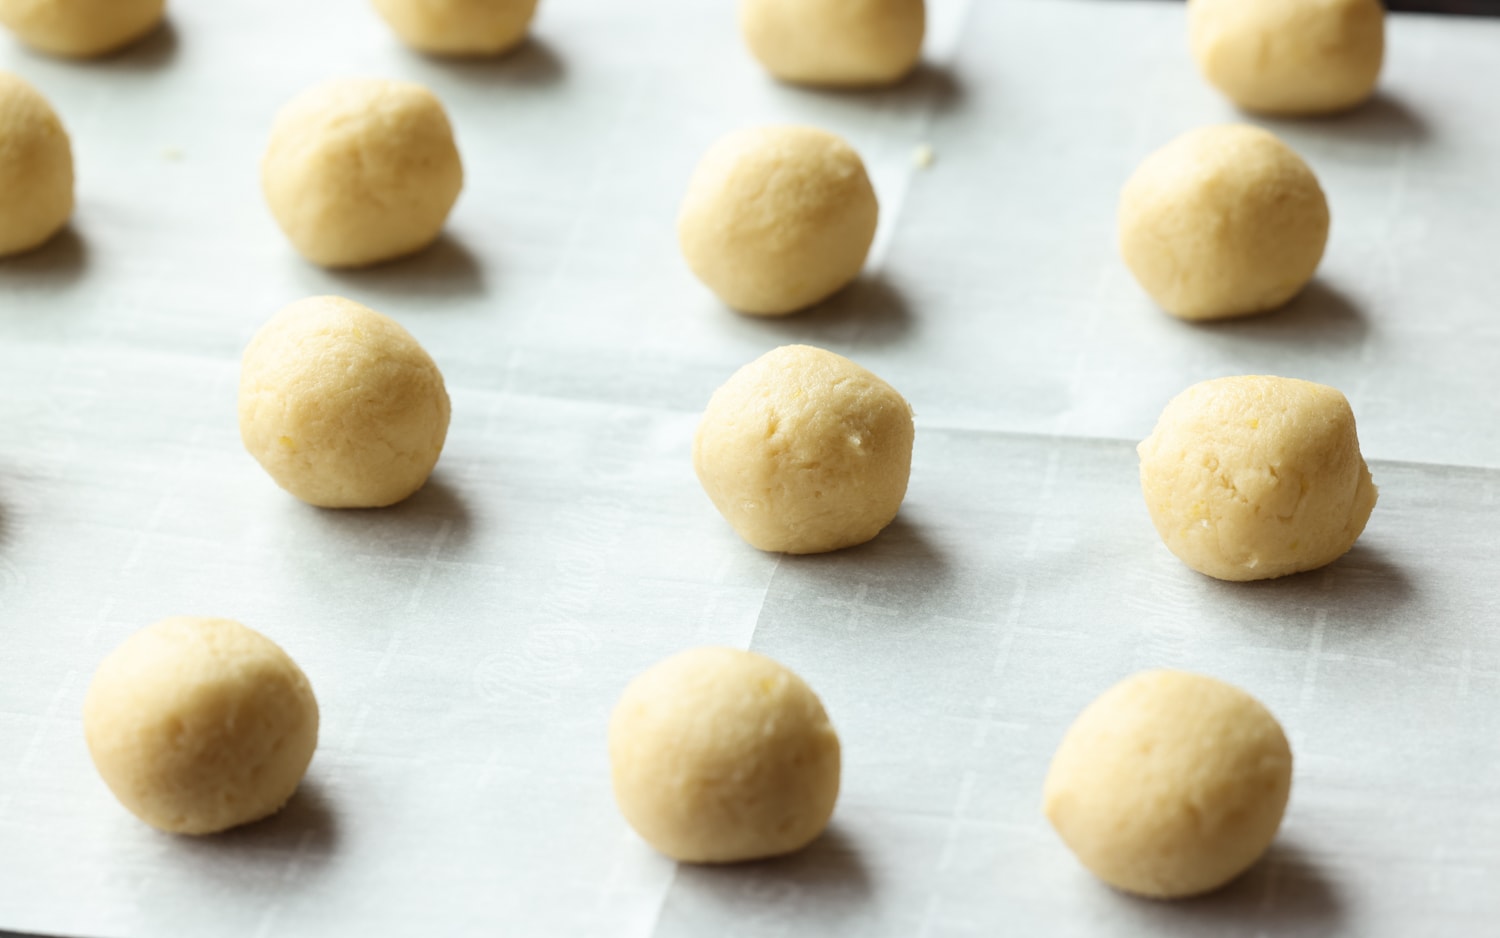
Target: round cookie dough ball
1223, 221
361, 171
199, 725
341, 405
1170, 784
80, 28
459, 27
1256, 477
1289, 56
36, 168
839, 43
778, 218
803, 451
720, 755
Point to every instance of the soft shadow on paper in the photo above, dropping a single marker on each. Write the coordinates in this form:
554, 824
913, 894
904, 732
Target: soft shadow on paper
445, 269
534, 63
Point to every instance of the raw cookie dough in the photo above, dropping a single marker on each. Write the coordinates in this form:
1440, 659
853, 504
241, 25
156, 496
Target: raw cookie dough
1170, 784
1289, 56
341, 405
840, 43
778, 218
80, 28
1256, 477
36, 168
199, 725
803, 451
459, 27
720, 755
1223, 221
361, 171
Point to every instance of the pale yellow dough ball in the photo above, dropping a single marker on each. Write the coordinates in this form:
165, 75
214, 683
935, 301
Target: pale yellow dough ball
1170, 784
1256, 477
803, 451
1292, 57
778, 218
80, 28
719, 755
838, 43
199, 725
459, 27
361, 171
1223, 221
341, 406
36, 168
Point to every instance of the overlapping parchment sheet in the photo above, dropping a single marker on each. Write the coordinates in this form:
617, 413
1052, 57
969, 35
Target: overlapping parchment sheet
467, 646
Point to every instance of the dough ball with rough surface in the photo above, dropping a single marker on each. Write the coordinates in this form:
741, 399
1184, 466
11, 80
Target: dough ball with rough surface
1170, 784
719, 755
778, 218
459, 27
36, 168
837, 43
80, 28
1294, 57
803, 451
361, 171
341, 406
1256, 477
200, 725
1223, 221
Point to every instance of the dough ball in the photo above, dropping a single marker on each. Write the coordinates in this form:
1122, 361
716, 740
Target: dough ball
840, 43
1223, 221
778, 218
341, 405
459, 27
1289, 56
1256, 477
36, 168
720, 755
1170, 784
361, 171
199, 725
80, 28
803, 451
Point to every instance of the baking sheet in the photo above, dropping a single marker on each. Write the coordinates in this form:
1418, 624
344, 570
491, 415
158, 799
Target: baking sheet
466, 646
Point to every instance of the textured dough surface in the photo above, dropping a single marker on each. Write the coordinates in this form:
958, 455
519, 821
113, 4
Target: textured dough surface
1255, 477
36, 168
838, 43
1170, 784
80, 28
803, 451
1223, 221
361, 171
199, 725
341, 405
1292, 57
459, 27
720, 755
778, 218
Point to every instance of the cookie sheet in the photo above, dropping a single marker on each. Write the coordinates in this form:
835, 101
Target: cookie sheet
467, 646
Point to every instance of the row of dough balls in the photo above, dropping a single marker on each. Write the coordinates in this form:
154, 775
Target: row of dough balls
1170, 784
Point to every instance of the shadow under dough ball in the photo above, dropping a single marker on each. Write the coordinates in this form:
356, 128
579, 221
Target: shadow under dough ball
1256, 477
719, 756
1170, 784
36, 168
200, 725
341, 406
835, 43
778, 218
360, 171
1293, 57
1223, 221
80, 28
459, 27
